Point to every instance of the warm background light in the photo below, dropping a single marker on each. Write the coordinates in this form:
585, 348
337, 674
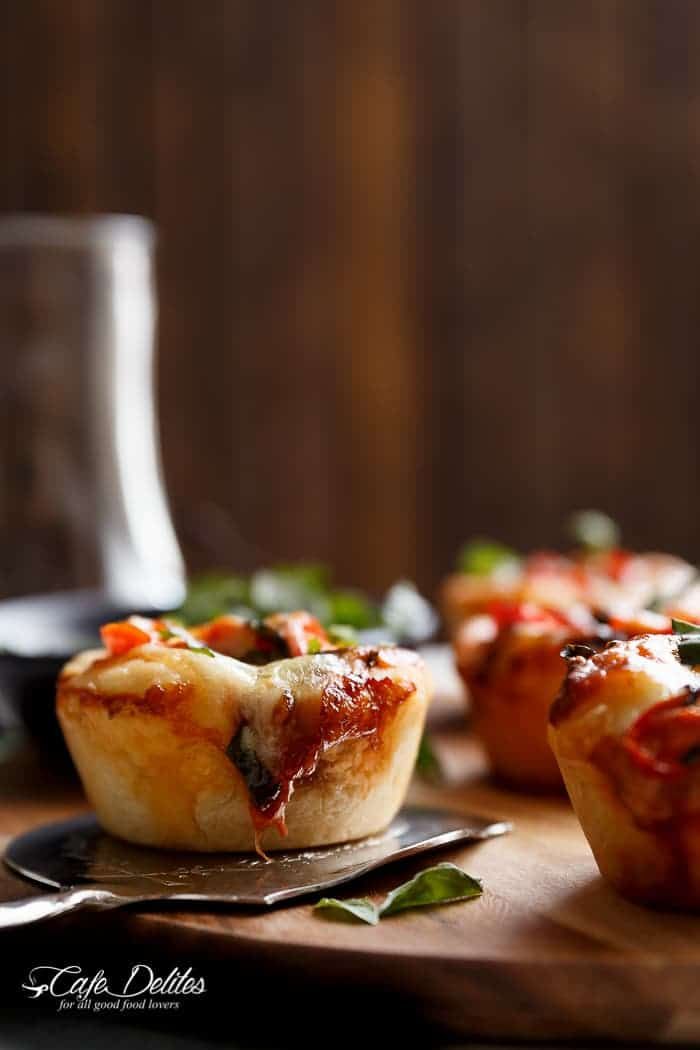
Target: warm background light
426, 269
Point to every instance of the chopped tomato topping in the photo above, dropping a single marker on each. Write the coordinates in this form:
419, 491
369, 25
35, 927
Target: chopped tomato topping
232, 636
278, 636
298, 633
666, 738
643, 621
120, 637
508, 613
548, 563
618, 562
301, 632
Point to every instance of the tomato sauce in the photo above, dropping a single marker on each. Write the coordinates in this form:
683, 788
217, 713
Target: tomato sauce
508, 613
352, 707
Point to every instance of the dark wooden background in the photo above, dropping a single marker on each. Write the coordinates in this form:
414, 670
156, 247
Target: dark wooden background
426, 269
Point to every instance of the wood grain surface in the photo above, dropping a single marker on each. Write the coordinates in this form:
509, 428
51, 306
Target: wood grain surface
425, 269
548, 952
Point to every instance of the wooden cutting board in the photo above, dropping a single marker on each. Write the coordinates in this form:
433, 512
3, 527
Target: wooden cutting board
549, 951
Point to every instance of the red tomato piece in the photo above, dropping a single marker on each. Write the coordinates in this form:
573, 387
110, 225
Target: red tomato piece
120, 637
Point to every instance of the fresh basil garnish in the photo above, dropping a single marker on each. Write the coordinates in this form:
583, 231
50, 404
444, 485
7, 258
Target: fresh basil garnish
212, 595
313, 645
287, 588
688, 642
262, 785
353, 908
683, 627
480, 557
689, 651
172, 630
442, 884
203, 649
428, 765
353, 609
593, 530
342, 634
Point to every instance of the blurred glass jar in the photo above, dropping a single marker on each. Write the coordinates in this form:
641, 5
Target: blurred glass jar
82, 503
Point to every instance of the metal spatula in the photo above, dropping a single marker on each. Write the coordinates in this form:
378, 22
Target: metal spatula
90, 869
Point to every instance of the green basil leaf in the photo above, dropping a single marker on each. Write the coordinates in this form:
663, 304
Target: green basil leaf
428, 765
683, 627
342, 634
203, 649
348, 910
352, 608
593, 530
173, 630
689, 651
442, 884
213, 595
262, 785
286, 588
479, 557
313, 646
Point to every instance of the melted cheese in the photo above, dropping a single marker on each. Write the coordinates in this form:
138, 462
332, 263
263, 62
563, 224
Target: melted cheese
223, 692
604, 694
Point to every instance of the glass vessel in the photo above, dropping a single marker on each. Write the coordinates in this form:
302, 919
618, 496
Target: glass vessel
82, 502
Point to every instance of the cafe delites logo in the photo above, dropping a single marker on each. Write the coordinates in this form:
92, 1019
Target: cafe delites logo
142, 989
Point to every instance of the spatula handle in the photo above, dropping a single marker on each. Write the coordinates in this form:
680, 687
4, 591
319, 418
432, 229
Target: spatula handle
49, 905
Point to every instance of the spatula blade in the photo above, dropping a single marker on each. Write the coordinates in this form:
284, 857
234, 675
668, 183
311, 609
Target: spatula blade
77, 852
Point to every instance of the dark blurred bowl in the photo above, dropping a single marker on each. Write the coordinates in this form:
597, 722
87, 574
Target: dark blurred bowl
38, 634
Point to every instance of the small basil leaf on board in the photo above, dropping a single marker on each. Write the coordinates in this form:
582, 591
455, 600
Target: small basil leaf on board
593, 530
428, 765
689, 651
683, 627
442, 884
480, 557
439, 885
360, 908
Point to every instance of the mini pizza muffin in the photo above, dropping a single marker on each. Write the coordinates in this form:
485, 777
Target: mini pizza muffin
240, 736
509, 658
626, 733
510, 616
544, 578
600, 579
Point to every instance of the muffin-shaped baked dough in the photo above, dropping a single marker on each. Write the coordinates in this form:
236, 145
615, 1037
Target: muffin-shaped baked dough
511, 662
183, 747
609, 579
626, 733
